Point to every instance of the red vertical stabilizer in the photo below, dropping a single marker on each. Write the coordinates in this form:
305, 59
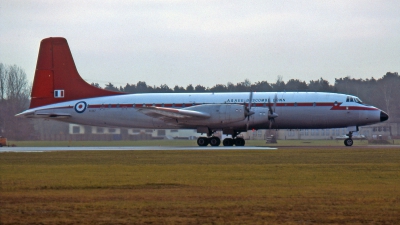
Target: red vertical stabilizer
56, 77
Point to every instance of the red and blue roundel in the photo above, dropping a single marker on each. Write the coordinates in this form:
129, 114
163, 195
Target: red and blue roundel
80, 107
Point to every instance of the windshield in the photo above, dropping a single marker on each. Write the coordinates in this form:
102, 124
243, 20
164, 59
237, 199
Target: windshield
353, 99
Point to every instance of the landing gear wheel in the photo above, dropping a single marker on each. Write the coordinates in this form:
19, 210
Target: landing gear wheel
239, 142
227, 142
348, 142
214, 141
202, 141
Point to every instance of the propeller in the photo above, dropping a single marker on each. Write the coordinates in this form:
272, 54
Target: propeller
271, 112
247, 112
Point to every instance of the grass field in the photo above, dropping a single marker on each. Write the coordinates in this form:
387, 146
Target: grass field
284, 186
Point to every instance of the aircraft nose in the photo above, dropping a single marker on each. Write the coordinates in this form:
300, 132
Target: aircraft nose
384, 116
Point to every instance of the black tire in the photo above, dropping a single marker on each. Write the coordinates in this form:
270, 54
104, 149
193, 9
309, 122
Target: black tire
1, 145
202, 141
214, 141
239, 142
348, 142
227, 142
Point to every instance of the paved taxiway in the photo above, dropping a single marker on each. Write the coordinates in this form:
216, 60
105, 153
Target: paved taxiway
130, 148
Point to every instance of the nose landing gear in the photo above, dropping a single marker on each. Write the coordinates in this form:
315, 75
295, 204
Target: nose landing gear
349, 141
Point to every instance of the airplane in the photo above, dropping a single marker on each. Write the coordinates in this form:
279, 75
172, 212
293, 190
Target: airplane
59, 93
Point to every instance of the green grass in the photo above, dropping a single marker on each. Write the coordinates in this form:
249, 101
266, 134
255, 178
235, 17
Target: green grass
286, 186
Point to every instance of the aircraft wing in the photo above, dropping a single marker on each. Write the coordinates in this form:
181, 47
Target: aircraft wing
44, 115
53, 115
168, 113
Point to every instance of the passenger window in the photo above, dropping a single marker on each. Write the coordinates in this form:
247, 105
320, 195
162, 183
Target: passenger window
351, 100
348, 99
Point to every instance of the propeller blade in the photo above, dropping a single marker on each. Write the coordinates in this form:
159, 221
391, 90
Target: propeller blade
248, 112
271, 112
269, 107
250, 101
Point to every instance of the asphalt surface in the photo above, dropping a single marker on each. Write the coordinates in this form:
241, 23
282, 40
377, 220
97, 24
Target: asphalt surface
130, 148
174, 148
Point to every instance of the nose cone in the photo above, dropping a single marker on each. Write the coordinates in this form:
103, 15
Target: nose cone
384, 116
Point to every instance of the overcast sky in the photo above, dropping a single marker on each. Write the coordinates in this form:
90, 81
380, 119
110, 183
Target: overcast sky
204, 42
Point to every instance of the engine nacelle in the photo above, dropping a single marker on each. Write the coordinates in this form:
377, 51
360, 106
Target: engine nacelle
219, 113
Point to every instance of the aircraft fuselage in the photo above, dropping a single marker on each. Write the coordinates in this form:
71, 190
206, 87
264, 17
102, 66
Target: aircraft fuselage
296, 110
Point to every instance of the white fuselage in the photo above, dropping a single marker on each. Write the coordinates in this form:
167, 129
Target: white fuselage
296, 110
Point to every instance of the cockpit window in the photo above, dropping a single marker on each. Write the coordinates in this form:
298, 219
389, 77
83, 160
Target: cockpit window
354, 99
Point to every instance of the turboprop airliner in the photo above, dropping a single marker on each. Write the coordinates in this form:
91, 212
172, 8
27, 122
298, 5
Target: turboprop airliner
59, 93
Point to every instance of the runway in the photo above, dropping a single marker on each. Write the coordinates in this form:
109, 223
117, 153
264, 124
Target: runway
130, 148
181, 148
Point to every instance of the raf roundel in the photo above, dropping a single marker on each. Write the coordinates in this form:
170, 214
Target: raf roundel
80, 107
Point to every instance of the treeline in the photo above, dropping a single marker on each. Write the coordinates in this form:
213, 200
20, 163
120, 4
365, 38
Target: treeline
383, 93
245, 86
14, 98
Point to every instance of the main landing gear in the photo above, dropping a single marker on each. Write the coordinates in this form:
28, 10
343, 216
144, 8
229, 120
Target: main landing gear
231, 142
349, 141
215, 141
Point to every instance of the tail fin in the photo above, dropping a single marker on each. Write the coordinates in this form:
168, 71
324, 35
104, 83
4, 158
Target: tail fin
56, 78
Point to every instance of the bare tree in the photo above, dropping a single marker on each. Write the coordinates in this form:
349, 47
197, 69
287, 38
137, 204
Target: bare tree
389, 87
14, 98
2, 81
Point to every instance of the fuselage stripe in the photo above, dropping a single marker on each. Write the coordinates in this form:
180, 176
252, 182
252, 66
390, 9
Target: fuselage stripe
335, 106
